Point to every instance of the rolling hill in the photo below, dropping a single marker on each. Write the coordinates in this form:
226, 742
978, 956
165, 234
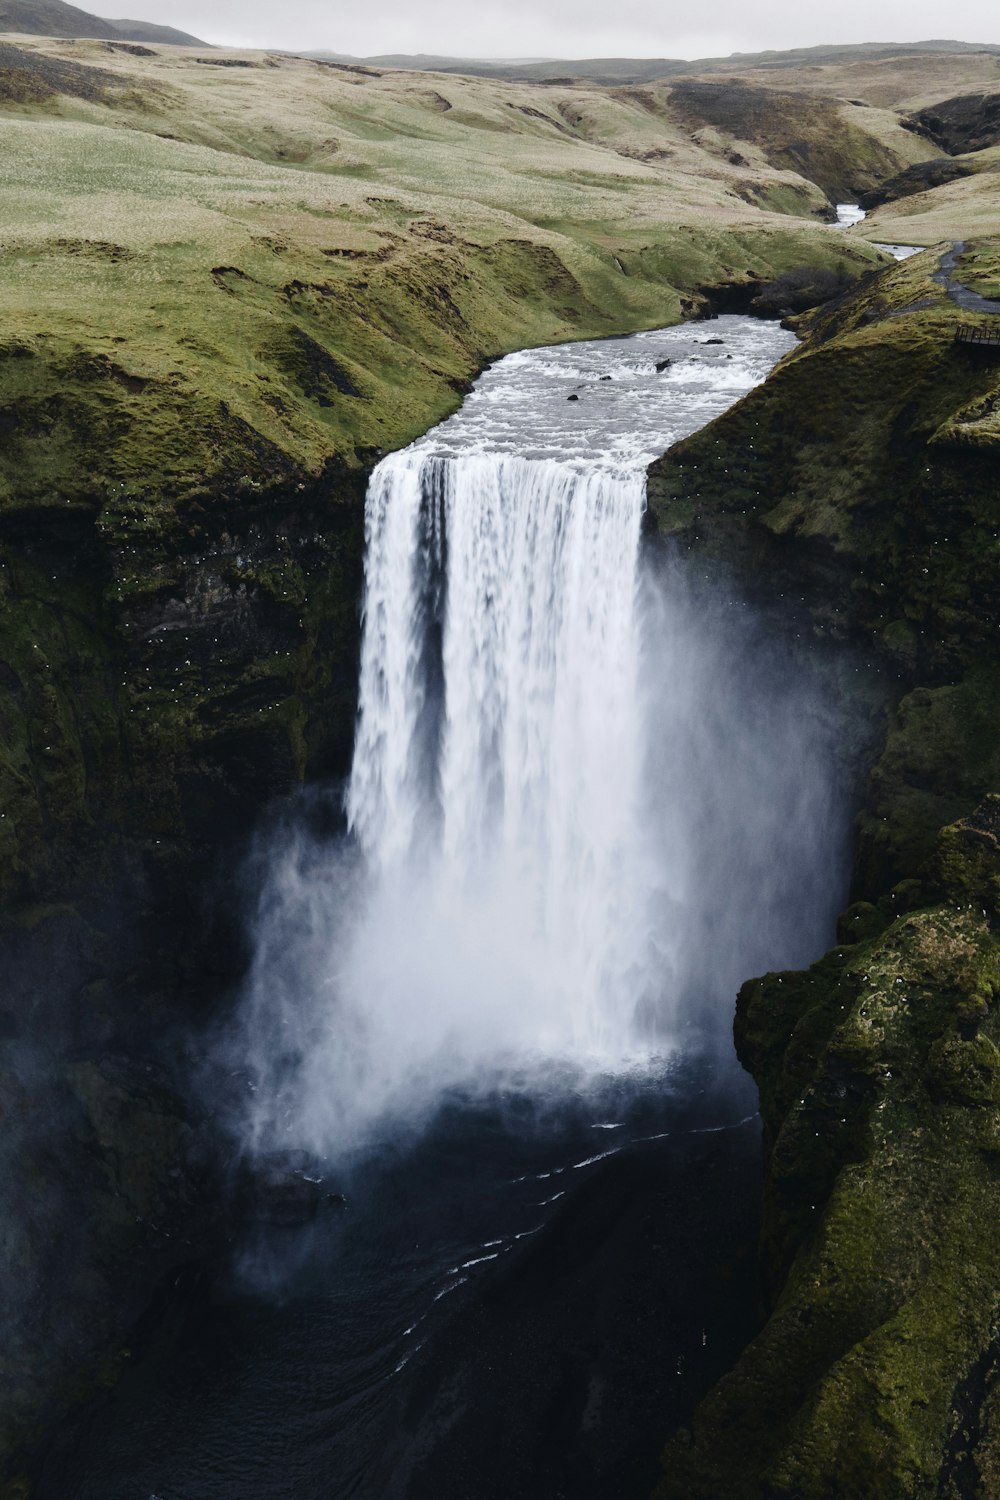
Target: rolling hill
146, 31
56, 18
611, 71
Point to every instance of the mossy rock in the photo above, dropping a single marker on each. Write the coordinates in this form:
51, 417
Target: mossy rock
941, 753
856, 489
967, 862
879, 1110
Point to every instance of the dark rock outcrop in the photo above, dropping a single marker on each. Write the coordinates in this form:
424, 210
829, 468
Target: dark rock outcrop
968, 122
163, 676
919, 178
796, 131
859, 483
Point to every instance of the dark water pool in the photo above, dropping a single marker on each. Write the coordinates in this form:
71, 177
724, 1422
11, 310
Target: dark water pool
522, 1302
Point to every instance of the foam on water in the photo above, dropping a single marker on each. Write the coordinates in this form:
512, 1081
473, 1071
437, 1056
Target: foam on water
627, 412
849, 214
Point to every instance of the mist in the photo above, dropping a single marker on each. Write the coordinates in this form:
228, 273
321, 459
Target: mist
375, 994
591, 794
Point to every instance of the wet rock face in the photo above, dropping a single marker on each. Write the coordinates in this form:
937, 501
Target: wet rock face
242, 654
165, 672
852, 485
105, 1181
880, 1087
879, 1362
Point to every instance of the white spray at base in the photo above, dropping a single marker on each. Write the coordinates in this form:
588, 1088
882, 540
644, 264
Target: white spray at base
587, 800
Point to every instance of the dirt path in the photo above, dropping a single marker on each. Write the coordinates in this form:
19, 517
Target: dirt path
959, 293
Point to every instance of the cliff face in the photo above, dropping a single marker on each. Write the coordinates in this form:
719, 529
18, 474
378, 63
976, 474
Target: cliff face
162, 677
861, 482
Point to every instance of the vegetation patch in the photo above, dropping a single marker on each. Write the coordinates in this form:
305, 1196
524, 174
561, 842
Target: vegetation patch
807, 134
317, 373
918, 178
32, 78
970, 122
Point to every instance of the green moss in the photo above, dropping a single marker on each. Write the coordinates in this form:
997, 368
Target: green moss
941, 752
878, 1092
965, 1071
967, 861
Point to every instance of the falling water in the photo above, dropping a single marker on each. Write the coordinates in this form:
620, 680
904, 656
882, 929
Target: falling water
523, 809
560, 764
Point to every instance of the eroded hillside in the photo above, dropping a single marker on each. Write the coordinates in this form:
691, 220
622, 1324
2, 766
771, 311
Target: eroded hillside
228, 223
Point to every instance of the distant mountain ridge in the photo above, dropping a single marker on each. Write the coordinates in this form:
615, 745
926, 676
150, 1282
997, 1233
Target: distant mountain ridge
633, 70
147, 31
56, 18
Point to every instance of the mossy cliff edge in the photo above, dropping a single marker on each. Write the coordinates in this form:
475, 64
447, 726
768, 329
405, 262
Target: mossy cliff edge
861, 481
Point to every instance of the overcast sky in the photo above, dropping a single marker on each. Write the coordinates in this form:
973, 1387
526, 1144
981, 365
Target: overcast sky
564, 28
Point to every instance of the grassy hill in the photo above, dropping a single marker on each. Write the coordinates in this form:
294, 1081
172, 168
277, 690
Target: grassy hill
632, 70
56, 18
238, 220
147, 31
52, 18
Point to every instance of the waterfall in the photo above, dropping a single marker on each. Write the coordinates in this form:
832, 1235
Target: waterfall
500, 737
590, 795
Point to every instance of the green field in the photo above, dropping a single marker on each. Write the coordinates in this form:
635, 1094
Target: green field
234, 270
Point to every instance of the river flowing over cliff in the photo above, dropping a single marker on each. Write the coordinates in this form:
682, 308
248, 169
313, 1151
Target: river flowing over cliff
592, 791
587, 793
